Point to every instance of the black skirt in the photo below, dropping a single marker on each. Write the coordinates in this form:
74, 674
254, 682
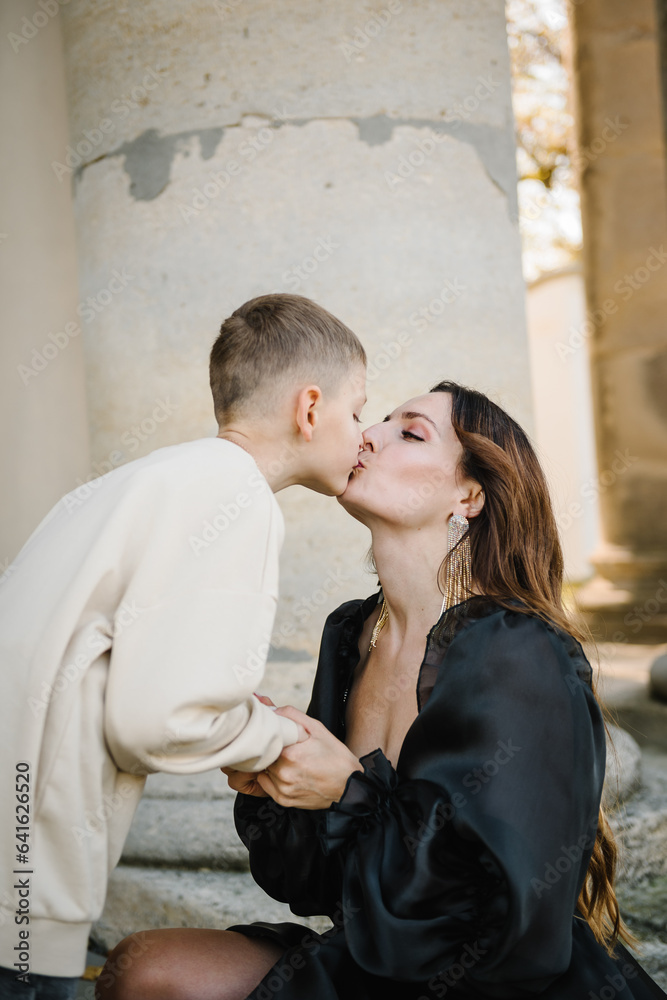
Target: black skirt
319, 967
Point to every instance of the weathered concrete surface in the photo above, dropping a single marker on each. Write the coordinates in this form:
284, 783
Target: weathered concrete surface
186, 834
640, 826
623, 772
624, 688
143, 898
624, 211
256, 143
211, 61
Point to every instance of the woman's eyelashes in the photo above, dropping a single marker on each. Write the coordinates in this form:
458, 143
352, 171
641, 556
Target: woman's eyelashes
414, 437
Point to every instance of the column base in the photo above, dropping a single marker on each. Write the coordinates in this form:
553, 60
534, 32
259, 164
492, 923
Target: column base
626, 601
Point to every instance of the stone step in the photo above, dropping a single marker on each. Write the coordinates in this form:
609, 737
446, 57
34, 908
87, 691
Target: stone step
142, 898
187, 833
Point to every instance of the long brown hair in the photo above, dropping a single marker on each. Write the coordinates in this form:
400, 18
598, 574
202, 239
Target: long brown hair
516, 555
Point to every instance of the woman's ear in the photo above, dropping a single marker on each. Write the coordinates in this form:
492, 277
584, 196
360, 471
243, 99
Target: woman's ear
306, 410
474, 501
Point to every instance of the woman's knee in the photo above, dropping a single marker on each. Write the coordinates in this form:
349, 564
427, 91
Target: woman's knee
127, 973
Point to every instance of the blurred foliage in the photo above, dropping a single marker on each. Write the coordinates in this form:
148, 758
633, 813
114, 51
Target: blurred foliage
549, 218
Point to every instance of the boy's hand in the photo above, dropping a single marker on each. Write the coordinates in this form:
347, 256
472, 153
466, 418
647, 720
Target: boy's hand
309, 775
265, 700
244, 781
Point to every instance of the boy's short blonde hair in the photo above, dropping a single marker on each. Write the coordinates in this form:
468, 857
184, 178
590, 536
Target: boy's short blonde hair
273, 340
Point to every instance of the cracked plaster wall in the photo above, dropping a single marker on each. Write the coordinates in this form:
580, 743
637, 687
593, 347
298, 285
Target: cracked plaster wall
235, 142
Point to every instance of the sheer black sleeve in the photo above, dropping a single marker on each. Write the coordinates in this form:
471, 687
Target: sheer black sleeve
474, 850
286, 855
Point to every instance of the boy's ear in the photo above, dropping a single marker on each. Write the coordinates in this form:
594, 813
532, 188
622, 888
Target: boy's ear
306, 410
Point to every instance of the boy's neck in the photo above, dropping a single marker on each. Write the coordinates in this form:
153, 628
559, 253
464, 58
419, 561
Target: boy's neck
275, 459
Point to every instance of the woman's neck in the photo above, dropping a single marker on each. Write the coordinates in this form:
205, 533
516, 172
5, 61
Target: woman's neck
407, 565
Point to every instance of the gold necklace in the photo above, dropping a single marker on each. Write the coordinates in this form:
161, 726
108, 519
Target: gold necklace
379, 625
384, 618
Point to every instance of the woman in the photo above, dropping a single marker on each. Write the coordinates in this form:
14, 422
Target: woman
445, 810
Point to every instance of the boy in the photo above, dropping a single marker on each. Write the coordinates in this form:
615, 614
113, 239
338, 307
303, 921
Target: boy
135, 624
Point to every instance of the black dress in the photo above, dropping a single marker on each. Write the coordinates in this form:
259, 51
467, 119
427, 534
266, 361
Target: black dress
457, 872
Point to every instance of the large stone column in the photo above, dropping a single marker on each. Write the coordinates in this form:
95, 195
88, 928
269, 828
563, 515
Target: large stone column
43, 424
623, 185
361, 155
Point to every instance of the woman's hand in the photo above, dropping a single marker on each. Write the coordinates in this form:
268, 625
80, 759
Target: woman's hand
312, 774
246, 781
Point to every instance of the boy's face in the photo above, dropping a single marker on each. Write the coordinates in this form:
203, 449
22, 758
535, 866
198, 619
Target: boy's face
338, 436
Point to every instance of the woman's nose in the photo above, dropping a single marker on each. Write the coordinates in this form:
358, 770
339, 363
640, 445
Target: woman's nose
370, 436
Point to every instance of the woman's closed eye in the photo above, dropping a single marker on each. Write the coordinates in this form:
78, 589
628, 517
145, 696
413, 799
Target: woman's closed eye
414, 437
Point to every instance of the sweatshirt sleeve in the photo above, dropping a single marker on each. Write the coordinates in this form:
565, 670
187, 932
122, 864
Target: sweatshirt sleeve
192, 633
475, 851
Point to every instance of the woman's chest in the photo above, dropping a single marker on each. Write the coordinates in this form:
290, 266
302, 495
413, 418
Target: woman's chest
381, 706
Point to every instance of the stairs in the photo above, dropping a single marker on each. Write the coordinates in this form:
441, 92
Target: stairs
184, 865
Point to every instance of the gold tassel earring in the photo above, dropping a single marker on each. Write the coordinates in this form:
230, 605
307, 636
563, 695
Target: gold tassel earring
458, 582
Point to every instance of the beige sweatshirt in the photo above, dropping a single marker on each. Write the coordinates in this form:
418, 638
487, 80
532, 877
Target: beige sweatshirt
134, 628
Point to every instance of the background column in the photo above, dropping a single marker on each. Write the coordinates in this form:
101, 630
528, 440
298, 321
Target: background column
621, 155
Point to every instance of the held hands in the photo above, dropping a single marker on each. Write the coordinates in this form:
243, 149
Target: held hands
246, 781
310, 774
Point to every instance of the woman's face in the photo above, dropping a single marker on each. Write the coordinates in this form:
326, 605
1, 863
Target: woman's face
407, 469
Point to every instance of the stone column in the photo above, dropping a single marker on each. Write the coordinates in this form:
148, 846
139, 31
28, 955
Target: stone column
621, 156
43, 424
359, 154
